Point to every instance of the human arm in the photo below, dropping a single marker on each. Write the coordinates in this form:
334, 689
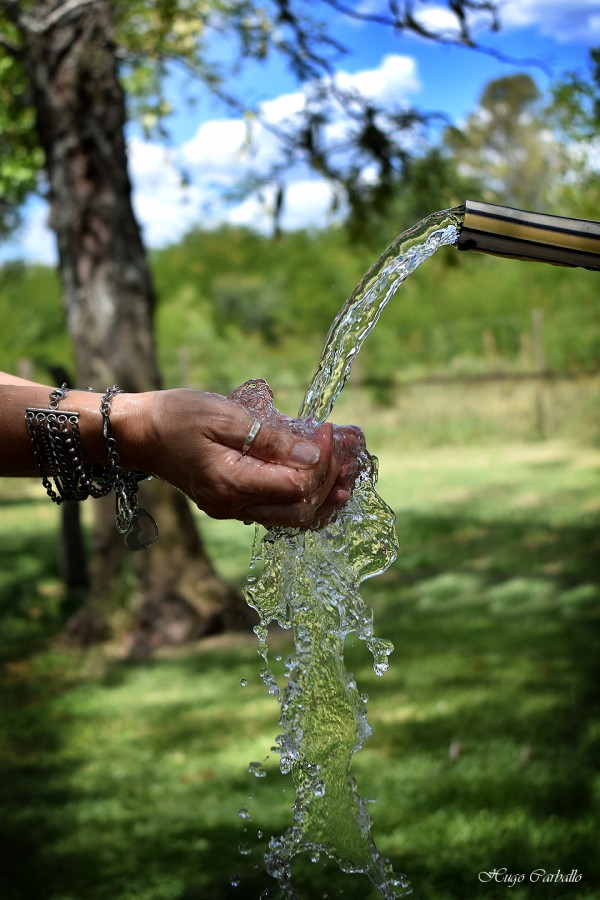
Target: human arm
193, 440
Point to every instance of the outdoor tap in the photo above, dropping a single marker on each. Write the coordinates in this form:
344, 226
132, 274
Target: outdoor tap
503, 231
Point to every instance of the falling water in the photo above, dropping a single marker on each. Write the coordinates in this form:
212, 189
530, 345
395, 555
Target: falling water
310, 583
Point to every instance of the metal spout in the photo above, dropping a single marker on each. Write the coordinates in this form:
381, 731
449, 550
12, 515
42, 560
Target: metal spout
503, 231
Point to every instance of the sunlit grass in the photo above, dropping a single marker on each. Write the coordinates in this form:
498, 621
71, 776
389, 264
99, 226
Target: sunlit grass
123, 782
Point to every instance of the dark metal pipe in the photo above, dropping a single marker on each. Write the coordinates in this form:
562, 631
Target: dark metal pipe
503, 231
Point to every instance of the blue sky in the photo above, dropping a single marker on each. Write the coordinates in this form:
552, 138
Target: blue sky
211, 144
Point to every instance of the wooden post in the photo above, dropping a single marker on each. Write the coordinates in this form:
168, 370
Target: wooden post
539, 365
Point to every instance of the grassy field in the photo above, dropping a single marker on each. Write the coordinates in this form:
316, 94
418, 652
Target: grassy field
125, 782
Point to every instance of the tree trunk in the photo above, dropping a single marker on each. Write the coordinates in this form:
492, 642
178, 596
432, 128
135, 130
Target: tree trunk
69, 54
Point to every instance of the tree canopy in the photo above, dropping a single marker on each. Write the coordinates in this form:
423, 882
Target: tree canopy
505, 140
153, 36
531, 150
575, 115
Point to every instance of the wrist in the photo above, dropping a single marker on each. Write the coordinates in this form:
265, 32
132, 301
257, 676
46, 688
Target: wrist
131, 422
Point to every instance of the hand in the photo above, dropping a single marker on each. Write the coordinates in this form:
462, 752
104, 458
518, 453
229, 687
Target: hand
193, 440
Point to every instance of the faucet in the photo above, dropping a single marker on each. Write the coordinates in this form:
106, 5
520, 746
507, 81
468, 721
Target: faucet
503, 231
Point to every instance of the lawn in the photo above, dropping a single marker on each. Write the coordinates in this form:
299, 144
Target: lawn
126, 782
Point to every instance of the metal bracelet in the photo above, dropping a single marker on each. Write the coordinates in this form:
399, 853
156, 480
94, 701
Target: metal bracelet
56, 445
136, 524
58, 452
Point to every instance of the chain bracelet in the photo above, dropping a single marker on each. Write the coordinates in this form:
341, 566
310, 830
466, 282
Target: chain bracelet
57, 395
58, 452
136, 524
125, 485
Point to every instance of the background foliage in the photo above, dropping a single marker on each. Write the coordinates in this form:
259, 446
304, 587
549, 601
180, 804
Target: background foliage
234, 304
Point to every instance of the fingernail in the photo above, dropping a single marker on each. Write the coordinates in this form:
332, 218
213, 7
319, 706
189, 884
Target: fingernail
306, 453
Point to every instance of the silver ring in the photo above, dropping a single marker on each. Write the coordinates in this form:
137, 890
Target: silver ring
254, 429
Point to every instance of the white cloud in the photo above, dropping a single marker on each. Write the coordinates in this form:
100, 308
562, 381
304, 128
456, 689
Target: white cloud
308, 203
253, 212
33, 241
222, 152
439, 20
223, 149
283, 107
563, 20
165, 208
167, 211
216, 147
391, 82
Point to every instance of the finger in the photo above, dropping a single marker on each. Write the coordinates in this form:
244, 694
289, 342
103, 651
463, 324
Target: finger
348, 474
336, 499
286, 480
256, 482
302, 514
296, 515
230, 425
281, 445
234, 481
281, 515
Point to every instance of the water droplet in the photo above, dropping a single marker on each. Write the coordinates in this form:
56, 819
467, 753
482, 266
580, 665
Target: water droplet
256, 769
319, 789
285, 764
269, 680
243, 813
245, 849
278, 868
259, 835
380, 668
243, 682
234, 880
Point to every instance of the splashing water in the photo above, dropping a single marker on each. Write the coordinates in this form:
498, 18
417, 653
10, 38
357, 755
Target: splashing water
310, 583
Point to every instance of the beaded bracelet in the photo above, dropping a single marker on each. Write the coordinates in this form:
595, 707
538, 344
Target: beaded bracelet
58, 452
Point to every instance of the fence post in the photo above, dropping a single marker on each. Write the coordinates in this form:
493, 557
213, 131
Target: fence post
539, 365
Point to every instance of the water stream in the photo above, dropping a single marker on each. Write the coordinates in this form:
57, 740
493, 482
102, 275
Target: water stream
309, 582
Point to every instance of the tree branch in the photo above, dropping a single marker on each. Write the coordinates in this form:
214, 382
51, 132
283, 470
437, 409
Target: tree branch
11, 9
42, 24
404, 20
8, 45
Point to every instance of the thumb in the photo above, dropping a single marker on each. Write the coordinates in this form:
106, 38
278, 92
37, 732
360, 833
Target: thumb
281, 445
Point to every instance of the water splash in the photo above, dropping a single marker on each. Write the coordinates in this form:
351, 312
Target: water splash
310, 583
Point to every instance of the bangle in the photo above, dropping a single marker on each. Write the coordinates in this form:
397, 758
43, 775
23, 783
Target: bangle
136, 524
58, 452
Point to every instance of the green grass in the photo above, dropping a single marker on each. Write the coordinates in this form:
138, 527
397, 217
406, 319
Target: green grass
125, 782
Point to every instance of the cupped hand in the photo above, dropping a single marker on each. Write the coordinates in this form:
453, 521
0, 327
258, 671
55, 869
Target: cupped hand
194, 440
